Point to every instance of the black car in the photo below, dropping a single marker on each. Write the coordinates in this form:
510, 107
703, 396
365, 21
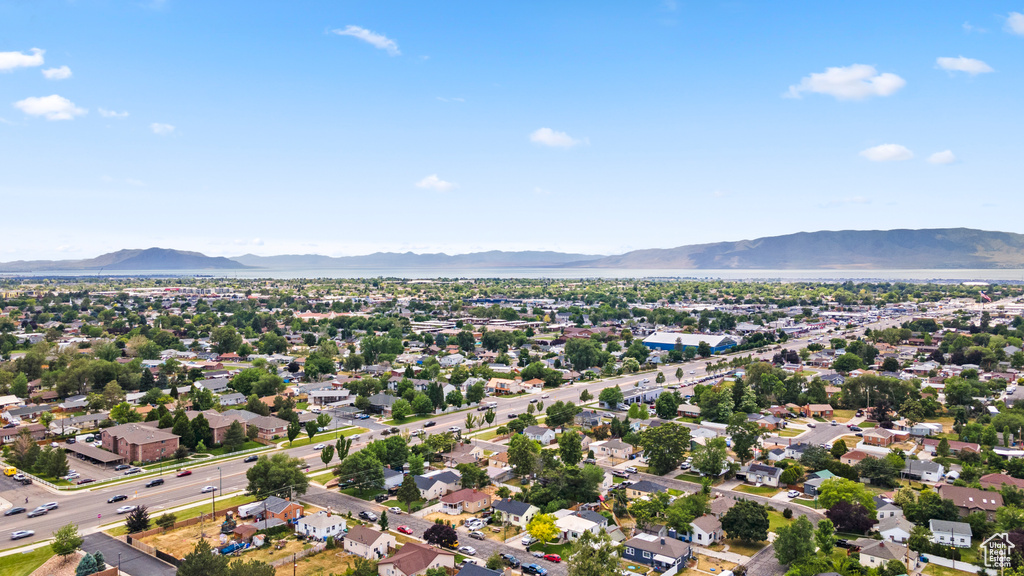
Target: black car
381, 498
843, 543
368, 516
512, 415
395, 430
13, 511
117, 498
156, 482
120, 467
85, 481
511, 560
252, 458
429, 423
70, 440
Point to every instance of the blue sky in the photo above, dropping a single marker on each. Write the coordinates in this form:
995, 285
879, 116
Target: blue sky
596, 127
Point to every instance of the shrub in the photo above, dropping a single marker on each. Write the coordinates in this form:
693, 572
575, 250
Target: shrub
787, 513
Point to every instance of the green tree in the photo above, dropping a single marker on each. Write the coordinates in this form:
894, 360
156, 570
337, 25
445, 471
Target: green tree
710, 458
592, 555
704, 349
745, 435
454, 398
363, 469
251, 568
327, 454
942, 450
86, 566
825, 536
667, 405
66, 540
415, 464
226, 340
113, 394
611, 397
311, 429
746, 520
542, 527
234, 438
382, 520
665, 446
847, 363
838, 489
795, 542
570, 448
495, 561
400, 410
522, 454
838, 449
123, 413
138, 519
201, 561
408, 492
294, 429
475, 393
270, 475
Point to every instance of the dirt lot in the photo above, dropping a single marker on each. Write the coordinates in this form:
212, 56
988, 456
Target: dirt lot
706, 563
323, 564
455, 520
181, 541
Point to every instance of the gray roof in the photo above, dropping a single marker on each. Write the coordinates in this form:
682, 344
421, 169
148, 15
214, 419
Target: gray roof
243, 415
945, 526
389, 473
509, 506
669, 547
891, 522
275, 504
593, 517
767, 470
919, 466
382, 400
474, 570
647, 486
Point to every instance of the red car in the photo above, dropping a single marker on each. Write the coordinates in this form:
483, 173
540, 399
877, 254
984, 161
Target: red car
553, 558
404, 529
184, 473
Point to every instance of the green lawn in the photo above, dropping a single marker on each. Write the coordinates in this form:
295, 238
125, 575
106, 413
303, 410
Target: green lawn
325, 437
744, 548
933, 570
787, 433
247, 446
776, 521
363, 494
560, 549
416, 505
758, 490
25, 563
689, 477
868, 424
323, 477
617, 480
674, 492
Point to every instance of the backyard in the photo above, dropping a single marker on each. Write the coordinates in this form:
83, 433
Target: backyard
327, 562
768, 491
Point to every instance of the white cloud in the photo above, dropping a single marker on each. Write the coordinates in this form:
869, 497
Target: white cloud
11, 60
887, 153
112, 113
549, 137
432, 182
62, 73
961, 64
52, 107
855, 82
944, 157
968, 27
376, 40
1015, 23
161, 129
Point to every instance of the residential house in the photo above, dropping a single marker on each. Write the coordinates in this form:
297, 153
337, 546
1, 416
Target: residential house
279, 508
498, 460
503, 387
269, 427
885, 508
369, 543
969, 500
878, 553
878, 437
948, 533
660, 553
381, 403
463, 454
812, 486
818, 410
467, 500
138, 443
587, 419
436, 484
515, 512
541, 434
451, 360
614, 448
688, 410
761, 474
706, 530
854, 457
955, 446
894, 529
415, 558
321, 525
392, 478
923, 470
643, 488
572, 527
997, 481
232, 399
919, 429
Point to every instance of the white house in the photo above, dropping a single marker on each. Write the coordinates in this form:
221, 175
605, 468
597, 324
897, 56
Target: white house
572, 527
923, 470
369, 543
887, 510
515, 512
541, 434
950, 533
321, 525
881, 552
705, 530
451, 360
895, 529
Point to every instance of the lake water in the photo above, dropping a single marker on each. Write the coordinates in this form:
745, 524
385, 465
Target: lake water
954, 275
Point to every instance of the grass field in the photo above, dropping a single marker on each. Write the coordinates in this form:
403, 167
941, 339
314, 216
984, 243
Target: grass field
776, 521
327, 562
25, 563
758, 490
933, 570
323, 477
325, 437
744, 548
248, 446
786, 433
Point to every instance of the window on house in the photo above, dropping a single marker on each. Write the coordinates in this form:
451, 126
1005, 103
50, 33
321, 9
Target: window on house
647, 554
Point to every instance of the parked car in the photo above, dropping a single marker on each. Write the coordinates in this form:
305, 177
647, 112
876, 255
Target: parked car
380, 498
684, 466
467, 561
404, 529
620, 473
793, 494
553, 558
184, 473
395, 510
533, 400
208, 489
527, 540
19, 534
126, 509
429, 423
811, 425
589, 461
537, 554
474, 524
252, 458
13, 511
545, 396
37, 512
511, 560
117, 498
534, 569
478, 535
155, 482
120, 467
631, 469
467, 550
85, 481
856, 429
843, 543
834, 423
131, 471
368, 516
70, 440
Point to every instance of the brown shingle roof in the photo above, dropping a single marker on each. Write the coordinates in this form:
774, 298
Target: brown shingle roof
972, 498
413, 557
465, 495
138, 434
363, 535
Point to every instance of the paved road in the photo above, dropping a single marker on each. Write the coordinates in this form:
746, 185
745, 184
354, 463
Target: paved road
341, 503
133, 561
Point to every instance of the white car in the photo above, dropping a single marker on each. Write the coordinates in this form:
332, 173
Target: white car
793, 494
125, 509
455, 429
395, 510
19, 534
631, 469
207, 489
467, 550
319, 447
546, 396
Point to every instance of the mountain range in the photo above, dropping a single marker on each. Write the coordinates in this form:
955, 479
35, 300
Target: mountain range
940, 248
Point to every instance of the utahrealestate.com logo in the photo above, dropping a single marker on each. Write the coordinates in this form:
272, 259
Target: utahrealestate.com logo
996, 550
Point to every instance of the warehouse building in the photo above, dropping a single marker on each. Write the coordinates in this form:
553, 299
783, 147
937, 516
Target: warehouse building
667, 341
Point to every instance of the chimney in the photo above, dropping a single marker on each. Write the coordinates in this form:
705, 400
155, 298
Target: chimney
662, 541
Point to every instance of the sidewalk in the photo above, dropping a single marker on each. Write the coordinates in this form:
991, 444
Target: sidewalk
727, 556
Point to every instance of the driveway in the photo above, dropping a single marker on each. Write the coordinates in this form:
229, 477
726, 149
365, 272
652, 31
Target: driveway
133, 561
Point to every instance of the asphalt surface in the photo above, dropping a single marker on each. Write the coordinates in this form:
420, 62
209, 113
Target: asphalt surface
89, 509
132, 561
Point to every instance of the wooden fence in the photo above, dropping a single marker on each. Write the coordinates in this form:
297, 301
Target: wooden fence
189, 522
299, 555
